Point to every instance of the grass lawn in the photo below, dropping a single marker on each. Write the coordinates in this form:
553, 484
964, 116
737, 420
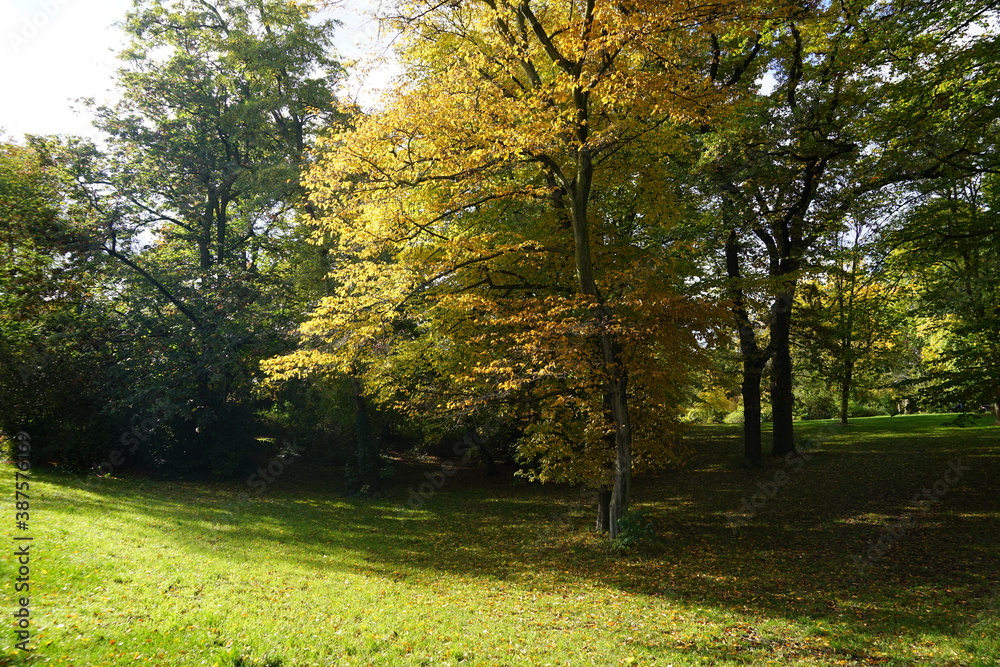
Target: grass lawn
834, 562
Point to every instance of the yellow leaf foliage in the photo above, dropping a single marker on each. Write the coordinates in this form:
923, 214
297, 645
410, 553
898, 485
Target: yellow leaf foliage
448, 217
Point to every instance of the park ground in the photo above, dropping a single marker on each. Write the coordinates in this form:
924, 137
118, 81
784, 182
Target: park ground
880, 546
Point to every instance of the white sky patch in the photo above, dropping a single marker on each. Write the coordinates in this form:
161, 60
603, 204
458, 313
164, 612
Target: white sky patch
767, 83
366, 48
53, 52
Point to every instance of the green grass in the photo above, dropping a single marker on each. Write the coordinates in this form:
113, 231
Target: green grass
493, 572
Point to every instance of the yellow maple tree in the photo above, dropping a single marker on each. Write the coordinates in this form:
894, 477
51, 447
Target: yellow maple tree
501, 227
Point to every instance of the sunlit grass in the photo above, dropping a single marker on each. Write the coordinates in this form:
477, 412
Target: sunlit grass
492, 572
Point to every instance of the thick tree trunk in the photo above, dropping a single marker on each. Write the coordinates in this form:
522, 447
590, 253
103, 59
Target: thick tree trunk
753, 451
782, 399
996, 411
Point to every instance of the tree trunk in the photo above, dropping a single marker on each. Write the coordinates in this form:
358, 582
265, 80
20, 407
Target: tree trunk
205, 237
845, 391
603, 509
782, 400
220, 233
847, 317
616, 387
367, 460
617, 398
752, 356
753, 451
204, 254
996, 411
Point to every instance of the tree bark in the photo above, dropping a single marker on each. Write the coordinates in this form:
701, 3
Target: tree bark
753, 450
205, 237
845, 391
603, 509
782, 399
616, 383
221, 230
618, 400
367, 452
753, 357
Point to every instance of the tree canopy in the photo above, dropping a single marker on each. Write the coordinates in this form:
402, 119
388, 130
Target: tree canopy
564, 226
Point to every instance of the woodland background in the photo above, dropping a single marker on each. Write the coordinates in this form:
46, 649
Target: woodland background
569, 229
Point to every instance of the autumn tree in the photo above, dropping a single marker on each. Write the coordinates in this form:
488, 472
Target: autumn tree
851, 317
500, 226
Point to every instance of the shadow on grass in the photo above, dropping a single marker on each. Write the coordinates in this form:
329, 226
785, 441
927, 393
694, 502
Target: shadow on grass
793, 559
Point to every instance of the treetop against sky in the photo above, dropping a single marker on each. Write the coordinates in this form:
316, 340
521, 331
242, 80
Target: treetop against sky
53, 52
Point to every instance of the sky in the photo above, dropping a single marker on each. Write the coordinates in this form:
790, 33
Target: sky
53, 52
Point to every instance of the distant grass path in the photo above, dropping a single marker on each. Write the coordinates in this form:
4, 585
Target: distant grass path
490, 572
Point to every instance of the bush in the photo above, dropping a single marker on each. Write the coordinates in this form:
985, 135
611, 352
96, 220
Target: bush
814, 401
634, 528
858, 409
711, 406
734, 417
886, 401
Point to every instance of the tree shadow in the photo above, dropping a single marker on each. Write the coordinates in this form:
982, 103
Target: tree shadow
801, 556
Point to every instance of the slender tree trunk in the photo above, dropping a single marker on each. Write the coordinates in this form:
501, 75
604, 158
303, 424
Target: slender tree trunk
847, 316
782, 400
752, 356
616, 384
618, 400
603, 509
220, 234
845, 391
996, 411
367, 460
205, 237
